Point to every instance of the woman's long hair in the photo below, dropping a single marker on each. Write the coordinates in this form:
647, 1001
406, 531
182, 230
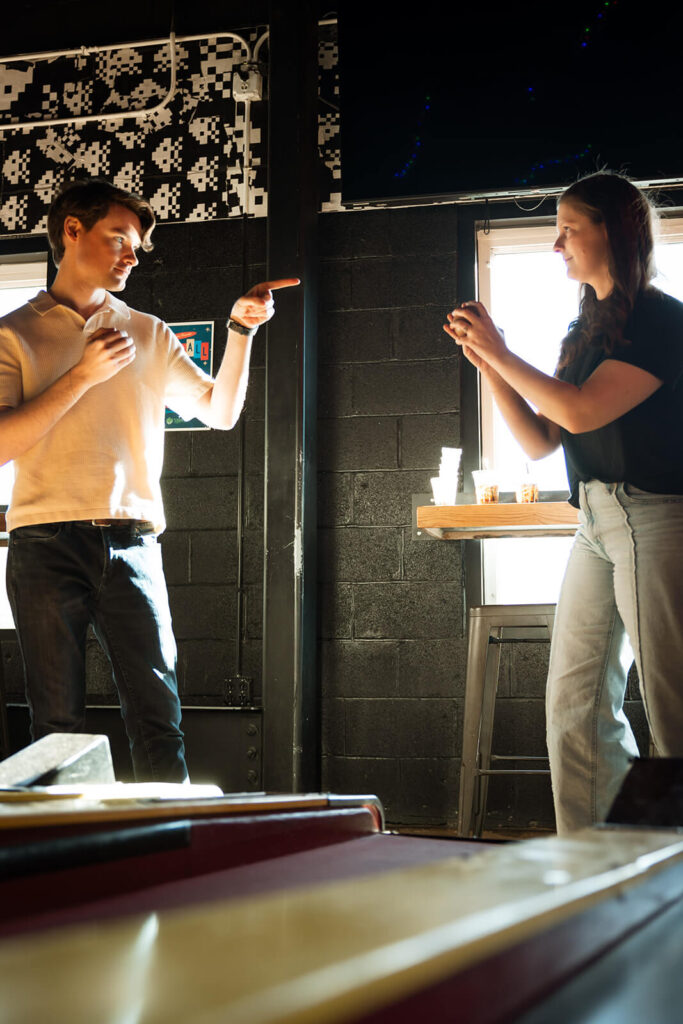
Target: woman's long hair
612, 200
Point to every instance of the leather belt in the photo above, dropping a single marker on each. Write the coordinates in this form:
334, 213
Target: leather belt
141, 524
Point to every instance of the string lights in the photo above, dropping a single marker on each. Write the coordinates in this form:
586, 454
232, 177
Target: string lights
587, 37
417, 141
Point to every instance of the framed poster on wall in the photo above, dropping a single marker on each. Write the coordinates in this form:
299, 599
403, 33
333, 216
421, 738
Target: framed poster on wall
196, 337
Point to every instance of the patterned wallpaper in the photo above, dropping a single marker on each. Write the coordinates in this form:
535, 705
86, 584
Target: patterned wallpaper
186, 159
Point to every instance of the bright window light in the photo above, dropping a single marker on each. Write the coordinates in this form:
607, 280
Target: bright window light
525, 287
19, 281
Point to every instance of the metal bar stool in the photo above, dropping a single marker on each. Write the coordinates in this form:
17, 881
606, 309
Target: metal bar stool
490, 626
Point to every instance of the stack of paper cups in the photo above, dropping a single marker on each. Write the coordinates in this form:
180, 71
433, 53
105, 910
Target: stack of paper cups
445, 485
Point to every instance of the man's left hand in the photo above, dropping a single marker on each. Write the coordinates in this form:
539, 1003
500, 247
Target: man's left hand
258, 305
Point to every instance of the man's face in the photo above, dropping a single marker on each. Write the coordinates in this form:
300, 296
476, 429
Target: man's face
104, 256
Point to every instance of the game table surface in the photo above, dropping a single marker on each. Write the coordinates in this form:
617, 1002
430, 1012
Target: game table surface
267, 908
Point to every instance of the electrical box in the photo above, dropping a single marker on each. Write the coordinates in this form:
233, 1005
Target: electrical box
247, 84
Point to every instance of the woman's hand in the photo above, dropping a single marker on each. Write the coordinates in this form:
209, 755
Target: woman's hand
471, 327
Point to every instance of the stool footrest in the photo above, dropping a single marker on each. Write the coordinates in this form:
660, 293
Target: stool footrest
519, 757
512, 771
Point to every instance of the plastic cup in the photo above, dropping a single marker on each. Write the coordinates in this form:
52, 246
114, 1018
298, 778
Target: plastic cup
485, 486
526, 491
444, 489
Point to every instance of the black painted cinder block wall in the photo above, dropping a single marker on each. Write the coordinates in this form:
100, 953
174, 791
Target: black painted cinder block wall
392, 651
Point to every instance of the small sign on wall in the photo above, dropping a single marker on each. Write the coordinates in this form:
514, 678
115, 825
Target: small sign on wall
196, 337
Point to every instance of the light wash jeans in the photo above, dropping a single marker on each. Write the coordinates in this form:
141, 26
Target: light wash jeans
60, 578
622, 596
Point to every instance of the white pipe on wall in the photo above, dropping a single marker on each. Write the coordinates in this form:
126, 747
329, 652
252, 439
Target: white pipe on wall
109, 48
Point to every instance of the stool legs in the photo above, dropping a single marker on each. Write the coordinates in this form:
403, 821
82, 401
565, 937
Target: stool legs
486, 623
474, 697
488, 705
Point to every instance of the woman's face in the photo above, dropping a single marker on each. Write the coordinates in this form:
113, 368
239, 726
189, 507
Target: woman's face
584, 248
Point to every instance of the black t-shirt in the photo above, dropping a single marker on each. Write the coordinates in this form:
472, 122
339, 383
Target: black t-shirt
645, 446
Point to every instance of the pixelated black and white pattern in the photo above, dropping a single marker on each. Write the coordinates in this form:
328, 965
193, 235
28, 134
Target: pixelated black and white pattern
167, 155
187, 158
15, 168
205, 130
204, 174
166, 201
328, 120
13, 84
130, 177
13, 213
77, 97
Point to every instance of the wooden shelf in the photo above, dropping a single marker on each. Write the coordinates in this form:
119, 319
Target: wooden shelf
533, 519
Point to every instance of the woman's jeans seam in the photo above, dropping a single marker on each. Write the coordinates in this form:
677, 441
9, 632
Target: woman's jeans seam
624, 578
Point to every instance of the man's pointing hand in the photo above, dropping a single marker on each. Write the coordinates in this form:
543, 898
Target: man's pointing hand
258, 305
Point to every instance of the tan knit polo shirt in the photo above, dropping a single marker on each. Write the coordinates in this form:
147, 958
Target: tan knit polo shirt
103, 458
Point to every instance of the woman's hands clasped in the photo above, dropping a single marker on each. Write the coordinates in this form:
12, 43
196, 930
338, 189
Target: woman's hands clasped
472, 328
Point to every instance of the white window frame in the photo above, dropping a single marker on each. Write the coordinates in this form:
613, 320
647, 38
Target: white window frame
520, 238
17, 270
491, 242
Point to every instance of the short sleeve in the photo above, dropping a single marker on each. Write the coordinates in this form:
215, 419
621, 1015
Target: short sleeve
11, 389
654, 337
186, 383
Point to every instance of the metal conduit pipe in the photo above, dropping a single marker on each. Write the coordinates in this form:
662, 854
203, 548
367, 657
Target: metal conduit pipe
110, 48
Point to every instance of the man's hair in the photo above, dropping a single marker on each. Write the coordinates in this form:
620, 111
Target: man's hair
90, 201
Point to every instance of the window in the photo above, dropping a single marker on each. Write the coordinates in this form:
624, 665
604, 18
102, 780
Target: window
524, 285
21, 276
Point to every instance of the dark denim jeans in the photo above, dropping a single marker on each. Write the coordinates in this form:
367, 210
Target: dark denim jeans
60, 578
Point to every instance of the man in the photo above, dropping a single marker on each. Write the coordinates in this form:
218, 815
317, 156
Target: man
84, 382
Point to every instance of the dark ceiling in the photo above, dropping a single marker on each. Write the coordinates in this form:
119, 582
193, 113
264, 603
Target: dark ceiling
39, 25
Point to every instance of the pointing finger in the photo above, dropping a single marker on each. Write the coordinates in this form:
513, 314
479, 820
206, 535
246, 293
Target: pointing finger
271, 286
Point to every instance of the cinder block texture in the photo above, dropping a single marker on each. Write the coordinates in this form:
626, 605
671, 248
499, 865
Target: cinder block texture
401, 728
358, 443
349, 554
403, 387
359, 668
417, 610
200, 503
378, 775
391, 610
386, 499
432, 668
422, 438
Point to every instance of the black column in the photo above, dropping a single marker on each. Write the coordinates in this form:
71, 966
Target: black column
290, 690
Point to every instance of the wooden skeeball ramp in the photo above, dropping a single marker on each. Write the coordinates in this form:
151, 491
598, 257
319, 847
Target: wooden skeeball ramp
121, 905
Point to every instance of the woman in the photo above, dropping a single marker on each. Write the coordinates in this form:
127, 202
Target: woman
615, 404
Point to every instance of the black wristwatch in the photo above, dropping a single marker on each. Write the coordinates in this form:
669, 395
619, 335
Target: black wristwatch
235, 325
